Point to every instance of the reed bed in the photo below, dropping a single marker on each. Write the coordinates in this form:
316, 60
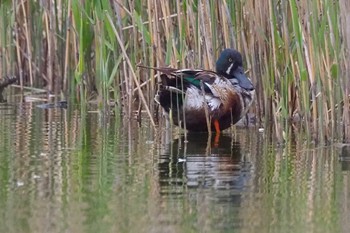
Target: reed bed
296, 53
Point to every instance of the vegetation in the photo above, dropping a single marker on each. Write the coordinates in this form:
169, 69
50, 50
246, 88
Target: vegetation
296, 52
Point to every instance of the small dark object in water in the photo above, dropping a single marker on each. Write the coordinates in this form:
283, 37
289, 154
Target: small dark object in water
60, 104
344, 157
4, 82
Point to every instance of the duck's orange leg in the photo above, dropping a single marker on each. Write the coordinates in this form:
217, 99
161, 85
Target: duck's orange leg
217, 126
217, 130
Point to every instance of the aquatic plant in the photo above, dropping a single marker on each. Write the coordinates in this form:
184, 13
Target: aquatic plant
295, 52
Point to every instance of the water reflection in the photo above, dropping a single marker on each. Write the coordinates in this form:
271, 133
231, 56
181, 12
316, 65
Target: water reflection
73, 171
200, 163
208, 174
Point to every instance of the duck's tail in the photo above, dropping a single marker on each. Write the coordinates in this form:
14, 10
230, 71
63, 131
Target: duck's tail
165, 70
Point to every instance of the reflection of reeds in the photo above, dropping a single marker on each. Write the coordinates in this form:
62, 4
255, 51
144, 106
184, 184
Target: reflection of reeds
300, 185
296, 52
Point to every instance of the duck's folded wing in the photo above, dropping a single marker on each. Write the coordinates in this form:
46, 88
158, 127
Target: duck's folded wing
207, 77
209, 81
217, 85
173, 71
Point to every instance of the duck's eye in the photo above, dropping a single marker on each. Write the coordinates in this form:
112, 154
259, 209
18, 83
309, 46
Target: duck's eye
230, 60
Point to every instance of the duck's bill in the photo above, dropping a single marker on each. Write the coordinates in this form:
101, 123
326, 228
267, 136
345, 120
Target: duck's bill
243, 81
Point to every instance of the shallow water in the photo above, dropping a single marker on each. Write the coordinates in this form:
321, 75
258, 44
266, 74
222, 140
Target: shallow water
64, 170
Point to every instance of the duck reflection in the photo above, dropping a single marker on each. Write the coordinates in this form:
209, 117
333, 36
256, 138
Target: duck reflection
203, 163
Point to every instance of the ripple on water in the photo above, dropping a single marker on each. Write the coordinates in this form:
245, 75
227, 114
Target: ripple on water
193, 166
63, 172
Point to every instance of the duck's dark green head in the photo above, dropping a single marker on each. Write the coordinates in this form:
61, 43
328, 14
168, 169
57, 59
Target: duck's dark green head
230, 65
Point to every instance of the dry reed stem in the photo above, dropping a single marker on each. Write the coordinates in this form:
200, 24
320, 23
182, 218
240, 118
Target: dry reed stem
28, 40
19, 60
24, 55
345, 27
49, 70
132, 70
66, 56
151, 6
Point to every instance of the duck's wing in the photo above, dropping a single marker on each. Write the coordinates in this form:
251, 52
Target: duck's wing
173, 71
180, 78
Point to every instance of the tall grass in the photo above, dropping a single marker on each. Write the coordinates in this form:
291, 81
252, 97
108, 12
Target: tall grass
295, 52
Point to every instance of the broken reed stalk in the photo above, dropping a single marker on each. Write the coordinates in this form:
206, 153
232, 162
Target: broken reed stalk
132, 70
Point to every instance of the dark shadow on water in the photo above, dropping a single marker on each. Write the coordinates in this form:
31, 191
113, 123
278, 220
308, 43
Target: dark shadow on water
344, 157
215, 167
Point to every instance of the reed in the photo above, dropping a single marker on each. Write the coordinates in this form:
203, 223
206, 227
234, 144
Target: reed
296, 53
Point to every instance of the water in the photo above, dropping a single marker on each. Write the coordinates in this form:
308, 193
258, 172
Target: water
67, 171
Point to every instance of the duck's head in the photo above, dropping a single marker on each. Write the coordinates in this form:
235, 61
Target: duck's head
230, 65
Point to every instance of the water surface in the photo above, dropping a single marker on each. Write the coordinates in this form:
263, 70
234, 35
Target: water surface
64, 170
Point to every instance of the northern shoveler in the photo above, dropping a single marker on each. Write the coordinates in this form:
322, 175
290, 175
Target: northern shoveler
196, 99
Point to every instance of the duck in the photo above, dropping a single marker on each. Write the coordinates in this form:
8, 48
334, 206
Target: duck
203, 100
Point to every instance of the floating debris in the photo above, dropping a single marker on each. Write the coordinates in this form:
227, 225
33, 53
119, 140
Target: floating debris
60, 104
19, 183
